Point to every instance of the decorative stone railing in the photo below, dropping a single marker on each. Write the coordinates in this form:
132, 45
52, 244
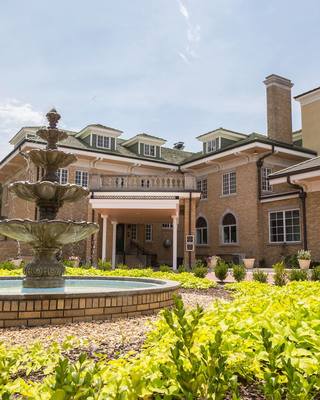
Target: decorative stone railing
172, 182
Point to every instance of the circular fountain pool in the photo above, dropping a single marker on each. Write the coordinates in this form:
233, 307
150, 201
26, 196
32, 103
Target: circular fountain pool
82, 299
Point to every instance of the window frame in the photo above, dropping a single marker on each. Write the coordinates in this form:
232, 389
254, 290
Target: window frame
148, 232
168, 226
229, 226
284, 226
82, 174
135, 231
201, 230
265, 180
104, 138
203, 188
149, 147
217, 145
229, 192
60, 174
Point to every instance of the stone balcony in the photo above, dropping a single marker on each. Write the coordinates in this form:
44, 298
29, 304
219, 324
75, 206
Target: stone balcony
163, 183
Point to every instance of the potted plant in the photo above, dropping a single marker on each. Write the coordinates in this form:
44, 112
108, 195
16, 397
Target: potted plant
212, 261
304, 258
249, 262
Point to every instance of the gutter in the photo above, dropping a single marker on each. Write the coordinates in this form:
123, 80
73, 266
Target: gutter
302, 197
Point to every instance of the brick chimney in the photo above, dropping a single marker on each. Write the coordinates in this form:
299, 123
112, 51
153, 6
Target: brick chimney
279, 108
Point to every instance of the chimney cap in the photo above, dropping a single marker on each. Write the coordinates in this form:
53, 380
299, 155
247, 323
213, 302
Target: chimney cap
278, 80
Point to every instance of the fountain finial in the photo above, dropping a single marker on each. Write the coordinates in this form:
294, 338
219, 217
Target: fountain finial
53, 117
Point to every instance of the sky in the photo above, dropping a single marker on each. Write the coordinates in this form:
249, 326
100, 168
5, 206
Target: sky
171, 68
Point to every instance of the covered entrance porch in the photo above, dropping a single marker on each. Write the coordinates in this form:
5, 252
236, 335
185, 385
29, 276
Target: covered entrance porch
145, 229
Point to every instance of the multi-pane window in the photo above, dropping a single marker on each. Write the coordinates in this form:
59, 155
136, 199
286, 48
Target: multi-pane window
229, 229
202, 186
62, 175
284, 226
82, 178
148, 232
212, 145
103, 141
134, 232
229, 183
265, 183
149, 150
202, 231
167, 226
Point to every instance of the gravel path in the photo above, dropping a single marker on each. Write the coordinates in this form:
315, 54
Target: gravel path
110, 337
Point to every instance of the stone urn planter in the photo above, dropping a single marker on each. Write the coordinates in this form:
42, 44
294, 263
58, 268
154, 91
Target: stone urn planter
249, 262
304, 264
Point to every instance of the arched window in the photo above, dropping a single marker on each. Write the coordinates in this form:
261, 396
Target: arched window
202, 231
229, 229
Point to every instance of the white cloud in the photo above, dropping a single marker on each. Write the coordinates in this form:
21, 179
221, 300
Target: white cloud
15, 114
193, 35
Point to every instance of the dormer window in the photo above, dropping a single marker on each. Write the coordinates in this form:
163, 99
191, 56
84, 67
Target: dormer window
213, 145
104, 141
149, 150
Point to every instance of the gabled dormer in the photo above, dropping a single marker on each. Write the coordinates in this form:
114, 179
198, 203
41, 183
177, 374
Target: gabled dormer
100, 136
218, 139
28, 132
145, 145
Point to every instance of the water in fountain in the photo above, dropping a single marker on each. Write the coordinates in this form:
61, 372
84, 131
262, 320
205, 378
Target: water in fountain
47, 235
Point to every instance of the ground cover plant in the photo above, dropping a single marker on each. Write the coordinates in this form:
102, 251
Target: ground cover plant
187, 279
266, 342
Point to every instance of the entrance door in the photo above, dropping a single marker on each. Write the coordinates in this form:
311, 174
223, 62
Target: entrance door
120, 239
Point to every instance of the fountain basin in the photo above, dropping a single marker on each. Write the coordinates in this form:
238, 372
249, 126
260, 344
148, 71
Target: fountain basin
47, 233
48, 191
53, 158
82, 299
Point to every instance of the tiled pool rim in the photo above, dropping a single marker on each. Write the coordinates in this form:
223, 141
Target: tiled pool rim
29, 309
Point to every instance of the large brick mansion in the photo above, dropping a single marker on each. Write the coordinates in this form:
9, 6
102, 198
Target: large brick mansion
242, 196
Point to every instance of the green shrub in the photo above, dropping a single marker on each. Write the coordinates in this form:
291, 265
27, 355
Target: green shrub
239, 272
200, 272
298, 275
122, 266
280, 276
104, 265
315, 274
165, 268
8, 265
260, 276
221, 270
291, 261
183, 268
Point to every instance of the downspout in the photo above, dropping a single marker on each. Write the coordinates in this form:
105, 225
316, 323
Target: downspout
302, 197
259, 166
190, 201
92, 236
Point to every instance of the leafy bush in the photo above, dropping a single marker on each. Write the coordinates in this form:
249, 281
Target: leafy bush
280, 276
315, 274
7, 265
165, 268
200, 272
122, 266
183, 268
291, 261
260, 276
239, 272
104, 265
298, 275
221, 270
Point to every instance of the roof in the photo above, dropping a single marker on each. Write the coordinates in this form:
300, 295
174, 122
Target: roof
308, 92
103, 127
305, 166
221, 129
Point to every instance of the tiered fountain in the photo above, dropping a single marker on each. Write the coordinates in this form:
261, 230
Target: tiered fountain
44, 296
48, 235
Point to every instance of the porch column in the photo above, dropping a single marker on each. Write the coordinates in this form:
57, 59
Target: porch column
104, 236
174, 242
114, 243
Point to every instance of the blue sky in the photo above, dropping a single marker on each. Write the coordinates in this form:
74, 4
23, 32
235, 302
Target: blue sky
172, 68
